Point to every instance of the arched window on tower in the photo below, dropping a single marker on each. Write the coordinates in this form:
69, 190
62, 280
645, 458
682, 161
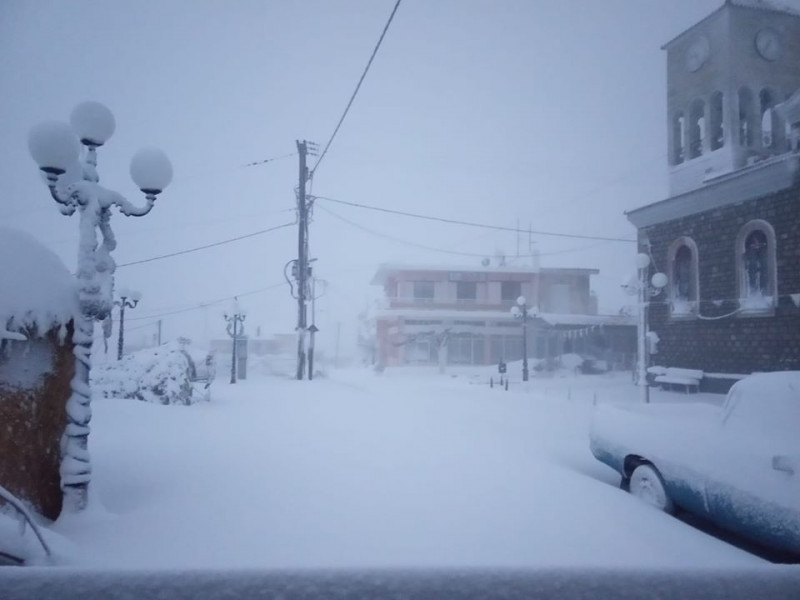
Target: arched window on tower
697, 128
678, 141
767, 104
745, 117
716, 122
757, 272
682, 259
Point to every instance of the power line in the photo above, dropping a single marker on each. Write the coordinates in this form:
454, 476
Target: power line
355, 92
473, 224
268, 160
189, 250
444, 250
205, 304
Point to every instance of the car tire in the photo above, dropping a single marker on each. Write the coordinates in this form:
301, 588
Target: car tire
646, 484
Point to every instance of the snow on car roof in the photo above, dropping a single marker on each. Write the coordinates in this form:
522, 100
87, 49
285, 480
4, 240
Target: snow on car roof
36, 289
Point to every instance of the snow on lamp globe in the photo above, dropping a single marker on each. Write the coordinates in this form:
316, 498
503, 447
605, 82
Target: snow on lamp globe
151, 171
93, 122
54, 147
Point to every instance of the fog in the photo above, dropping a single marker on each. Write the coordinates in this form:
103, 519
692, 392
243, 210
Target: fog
546, 114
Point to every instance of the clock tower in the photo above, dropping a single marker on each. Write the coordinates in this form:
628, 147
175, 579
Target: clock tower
725, 76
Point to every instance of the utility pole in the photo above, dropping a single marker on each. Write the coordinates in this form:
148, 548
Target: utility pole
313, 329
304, 148
302, 247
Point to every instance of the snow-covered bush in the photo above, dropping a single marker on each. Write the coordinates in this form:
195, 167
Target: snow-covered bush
163, 375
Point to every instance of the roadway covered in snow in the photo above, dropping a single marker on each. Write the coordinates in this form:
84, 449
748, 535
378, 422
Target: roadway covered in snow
365, 470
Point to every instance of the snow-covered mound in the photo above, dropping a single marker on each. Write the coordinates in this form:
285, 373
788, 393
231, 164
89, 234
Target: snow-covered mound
162, 375
37, 291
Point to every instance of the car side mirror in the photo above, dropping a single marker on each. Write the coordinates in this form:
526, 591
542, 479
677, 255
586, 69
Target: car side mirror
787, 464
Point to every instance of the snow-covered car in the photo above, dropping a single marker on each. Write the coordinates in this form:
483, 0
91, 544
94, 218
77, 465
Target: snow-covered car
737, 466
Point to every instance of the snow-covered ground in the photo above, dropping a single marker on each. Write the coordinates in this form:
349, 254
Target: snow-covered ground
402, 469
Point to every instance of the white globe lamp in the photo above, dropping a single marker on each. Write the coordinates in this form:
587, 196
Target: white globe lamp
54, 146
151, 170
93, 122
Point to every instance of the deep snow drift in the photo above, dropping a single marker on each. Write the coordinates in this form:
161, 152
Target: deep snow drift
363, 470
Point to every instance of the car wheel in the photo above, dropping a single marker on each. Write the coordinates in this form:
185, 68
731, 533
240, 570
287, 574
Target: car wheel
647, 485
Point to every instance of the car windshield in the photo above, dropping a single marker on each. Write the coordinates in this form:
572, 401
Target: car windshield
391, 285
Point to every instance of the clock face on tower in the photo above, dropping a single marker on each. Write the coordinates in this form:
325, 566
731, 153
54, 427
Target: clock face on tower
769, 44
697, 53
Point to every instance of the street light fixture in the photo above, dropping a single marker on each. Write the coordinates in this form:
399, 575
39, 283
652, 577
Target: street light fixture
127, 298
235, 330
56, 148
521, 311
645, 290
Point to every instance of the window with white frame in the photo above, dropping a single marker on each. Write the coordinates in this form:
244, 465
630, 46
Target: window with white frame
756, 268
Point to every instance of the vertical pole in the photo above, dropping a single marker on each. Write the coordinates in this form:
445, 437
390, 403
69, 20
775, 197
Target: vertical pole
313, 328
233, 351
644, 390
301, 258
524, 342
120, 341
159, 332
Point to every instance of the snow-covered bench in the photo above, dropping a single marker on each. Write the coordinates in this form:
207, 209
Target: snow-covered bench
688, 379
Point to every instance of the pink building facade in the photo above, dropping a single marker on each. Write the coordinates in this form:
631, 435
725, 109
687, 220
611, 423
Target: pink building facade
471, 307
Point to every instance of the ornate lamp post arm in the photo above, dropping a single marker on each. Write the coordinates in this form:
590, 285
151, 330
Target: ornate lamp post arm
55, 147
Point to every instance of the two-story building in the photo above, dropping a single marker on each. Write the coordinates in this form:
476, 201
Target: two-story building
469, 309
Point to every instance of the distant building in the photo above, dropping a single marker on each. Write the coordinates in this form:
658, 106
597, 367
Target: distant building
728, 237
471, 307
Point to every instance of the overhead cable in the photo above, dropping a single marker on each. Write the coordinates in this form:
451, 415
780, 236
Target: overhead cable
474, 224
355, 92
190, 250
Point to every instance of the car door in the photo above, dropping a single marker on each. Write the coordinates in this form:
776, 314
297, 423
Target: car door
753, 488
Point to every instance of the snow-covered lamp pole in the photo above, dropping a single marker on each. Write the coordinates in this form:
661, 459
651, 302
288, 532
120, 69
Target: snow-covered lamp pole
235, 330
55, 146
520, 311
127, 298
645, 291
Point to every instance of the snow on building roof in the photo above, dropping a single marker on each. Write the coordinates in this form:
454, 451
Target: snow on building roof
768, 5
36, 289
771, 5
386, 268
501, 315
767, 176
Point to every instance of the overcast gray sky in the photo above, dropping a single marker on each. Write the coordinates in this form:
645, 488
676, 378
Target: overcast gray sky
550, 112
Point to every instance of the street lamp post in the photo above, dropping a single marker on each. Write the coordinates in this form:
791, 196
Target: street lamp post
644, 290
127, 298
56, 148
235, 330
521, 311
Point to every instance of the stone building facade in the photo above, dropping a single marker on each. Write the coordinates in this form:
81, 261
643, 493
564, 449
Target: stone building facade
728, 237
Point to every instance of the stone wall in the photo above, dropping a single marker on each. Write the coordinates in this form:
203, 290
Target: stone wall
737, 344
